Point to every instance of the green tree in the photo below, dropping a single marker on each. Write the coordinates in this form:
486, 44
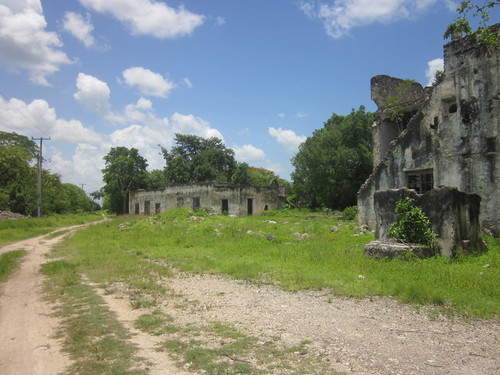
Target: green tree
196, 159
18, 177
78, 200
241, 175
412, 226
462, 25
155, 180
124, 171
17, 174
333, 163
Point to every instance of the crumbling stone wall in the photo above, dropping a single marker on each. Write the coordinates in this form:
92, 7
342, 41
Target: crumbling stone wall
450, 131
454, 217
215, 197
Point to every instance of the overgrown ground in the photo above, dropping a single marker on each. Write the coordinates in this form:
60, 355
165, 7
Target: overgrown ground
20, 229
291, 249
131, 256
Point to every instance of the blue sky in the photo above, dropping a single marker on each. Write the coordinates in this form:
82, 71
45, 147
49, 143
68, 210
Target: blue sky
262, 75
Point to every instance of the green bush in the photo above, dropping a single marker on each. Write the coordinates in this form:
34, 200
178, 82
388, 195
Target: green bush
413, 225
350, 213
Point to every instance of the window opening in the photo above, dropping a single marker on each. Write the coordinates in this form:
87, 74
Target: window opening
435, 123
180, 201
157, 208
147, 207
420, 181
137, 208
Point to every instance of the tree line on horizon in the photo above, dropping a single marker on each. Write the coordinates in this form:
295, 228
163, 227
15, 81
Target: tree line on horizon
330, 166
18, 182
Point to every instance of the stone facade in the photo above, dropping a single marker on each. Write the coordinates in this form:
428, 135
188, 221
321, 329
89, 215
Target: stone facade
454, 216
215, 197
445, 135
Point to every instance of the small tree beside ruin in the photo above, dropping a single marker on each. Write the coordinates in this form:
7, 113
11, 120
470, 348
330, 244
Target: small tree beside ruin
413, 225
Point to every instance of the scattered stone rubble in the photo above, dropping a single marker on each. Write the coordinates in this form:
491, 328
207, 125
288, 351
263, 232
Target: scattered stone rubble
7, 215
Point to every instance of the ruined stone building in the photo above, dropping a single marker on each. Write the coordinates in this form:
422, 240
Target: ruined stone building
214, 197
444, 135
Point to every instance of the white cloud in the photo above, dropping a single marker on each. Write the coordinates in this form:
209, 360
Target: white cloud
92, 93
188, 83
144, 104
248, 153
39, 119
25, 43
189, 124
220, 21
340, 16
138, 112
302, 115
282, 115
149, 17
156, 131
287, 138
84, 166
432, 67
79, 27
148, 82
81, 161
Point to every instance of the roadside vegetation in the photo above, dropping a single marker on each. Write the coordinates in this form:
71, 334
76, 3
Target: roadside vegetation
21, 229
96, 342
9, 262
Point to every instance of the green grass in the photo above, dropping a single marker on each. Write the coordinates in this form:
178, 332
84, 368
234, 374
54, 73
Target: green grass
9, 262
16, 230
217, 348
256, 249
91, 335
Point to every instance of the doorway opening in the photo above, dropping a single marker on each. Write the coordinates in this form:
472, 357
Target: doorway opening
225, 206
250, 206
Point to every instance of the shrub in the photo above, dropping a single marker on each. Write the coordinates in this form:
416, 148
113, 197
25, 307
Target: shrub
350, 213
413, 225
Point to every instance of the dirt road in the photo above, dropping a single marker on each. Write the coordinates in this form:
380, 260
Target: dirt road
375, 336
26, 327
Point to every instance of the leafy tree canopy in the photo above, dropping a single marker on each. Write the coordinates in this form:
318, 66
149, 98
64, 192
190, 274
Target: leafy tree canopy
18, 177
462, 25
28, 146
333, 163
254, 176
196, 159
124, 171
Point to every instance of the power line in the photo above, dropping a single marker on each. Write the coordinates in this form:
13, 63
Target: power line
39, 176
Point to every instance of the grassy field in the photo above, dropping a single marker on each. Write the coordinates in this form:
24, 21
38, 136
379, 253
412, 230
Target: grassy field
294, 250
16, 230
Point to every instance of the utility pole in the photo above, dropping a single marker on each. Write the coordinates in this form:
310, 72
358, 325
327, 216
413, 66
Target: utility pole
82, 184
39, 176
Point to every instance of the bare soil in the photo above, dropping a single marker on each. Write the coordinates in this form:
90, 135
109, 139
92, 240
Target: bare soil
368, 336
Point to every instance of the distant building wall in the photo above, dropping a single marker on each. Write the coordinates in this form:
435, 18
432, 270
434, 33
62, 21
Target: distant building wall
218, 198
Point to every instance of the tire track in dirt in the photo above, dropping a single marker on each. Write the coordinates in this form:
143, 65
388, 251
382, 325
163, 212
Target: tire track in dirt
27, 345
27, 328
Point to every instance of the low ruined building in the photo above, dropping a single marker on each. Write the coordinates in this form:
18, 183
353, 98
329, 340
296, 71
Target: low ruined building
444, 135
219, 198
